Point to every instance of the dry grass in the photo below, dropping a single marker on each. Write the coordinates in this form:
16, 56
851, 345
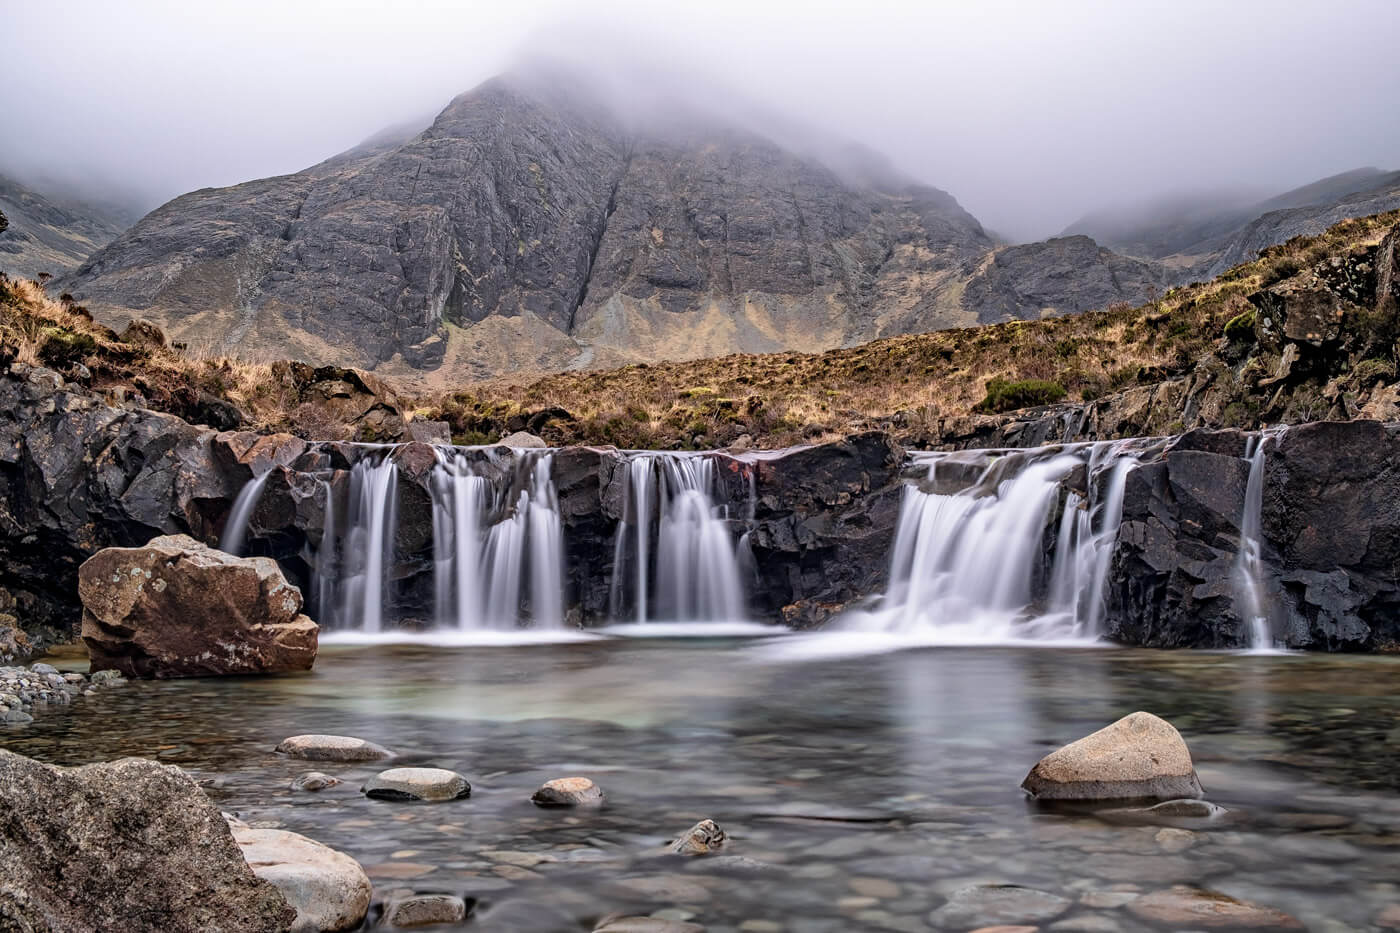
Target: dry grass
39, 330
907, 382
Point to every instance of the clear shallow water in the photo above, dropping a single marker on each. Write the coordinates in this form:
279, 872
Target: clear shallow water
871, 786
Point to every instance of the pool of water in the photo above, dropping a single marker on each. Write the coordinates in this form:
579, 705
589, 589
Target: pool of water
858, 792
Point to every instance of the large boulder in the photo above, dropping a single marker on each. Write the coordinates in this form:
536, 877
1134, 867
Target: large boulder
178, 608
1141, 756
328, 889
128, 846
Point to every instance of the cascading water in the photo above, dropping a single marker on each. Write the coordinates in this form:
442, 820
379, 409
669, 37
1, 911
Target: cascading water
969, 566
367, 552
690, 555
489, 542
236, 529
1249, 581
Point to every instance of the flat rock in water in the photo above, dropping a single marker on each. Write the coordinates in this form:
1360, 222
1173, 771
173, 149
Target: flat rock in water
127, 845
1141, 756
432, 784
329, 889
1183, 908
982, 905
569, 792
332, 748
703, 838
313, 781
420, 910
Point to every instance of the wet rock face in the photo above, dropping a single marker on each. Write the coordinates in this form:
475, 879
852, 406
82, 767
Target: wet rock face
1330, 536
177, 608
128, 845
1141, 756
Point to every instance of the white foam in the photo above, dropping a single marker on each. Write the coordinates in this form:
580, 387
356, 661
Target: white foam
458, 638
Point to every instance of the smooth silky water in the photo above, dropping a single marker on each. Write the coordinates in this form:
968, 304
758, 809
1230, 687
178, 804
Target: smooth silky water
871, 786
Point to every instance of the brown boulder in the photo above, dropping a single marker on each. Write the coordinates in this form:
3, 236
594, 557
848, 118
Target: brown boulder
128, 846
178, 608
1141, 756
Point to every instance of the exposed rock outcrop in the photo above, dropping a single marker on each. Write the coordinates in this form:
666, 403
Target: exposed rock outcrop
127, 846
178, 608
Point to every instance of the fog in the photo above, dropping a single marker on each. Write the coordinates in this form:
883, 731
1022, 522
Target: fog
1031, 113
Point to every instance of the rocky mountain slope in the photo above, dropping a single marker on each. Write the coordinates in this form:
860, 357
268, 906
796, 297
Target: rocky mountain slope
1309, 330
530, 229
1198, 237
48, 234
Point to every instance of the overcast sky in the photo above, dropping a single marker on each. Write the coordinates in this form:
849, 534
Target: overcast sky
1030, 113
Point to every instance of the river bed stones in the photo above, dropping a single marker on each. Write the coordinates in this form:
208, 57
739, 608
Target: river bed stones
1139, 757
984, 905
342, 748
568, 792
421, 910
314, 781
425, 784
703, 838
127, 845
1184, 907
328, 889
179, 608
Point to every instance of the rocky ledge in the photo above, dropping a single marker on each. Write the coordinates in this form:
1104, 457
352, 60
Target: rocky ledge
77, 475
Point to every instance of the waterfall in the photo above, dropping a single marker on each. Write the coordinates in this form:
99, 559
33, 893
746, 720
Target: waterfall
1250, 559
969, 565
490, 539
236, 528
324, 567
685, 568
368, 548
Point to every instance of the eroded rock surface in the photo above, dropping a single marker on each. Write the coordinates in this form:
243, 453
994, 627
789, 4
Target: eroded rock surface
122, 847
178, 608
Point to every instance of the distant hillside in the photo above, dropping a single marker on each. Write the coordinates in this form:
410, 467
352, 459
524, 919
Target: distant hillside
49, 234
1307, 331
1200, 236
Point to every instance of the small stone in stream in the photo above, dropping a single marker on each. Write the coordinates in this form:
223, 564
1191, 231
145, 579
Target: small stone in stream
615, 924
332, 748
422, 910
1187, 908
1141, 756
991, 904
314, 780
328, 889
569, 792
701, 839
430, 784
108, 678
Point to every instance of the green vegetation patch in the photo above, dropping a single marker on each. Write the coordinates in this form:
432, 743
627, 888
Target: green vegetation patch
1004, 395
